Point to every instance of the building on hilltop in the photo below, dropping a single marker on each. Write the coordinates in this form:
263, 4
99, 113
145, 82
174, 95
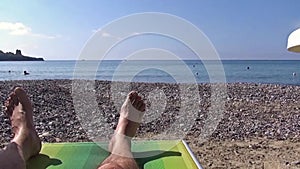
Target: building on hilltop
18, 52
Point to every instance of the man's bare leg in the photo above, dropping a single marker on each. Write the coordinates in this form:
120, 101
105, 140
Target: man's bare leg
25, 143
120, 144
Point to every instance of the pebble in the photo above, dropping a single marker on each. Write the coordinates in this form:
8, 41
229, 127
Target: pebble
296, 162
251, 110
45, 134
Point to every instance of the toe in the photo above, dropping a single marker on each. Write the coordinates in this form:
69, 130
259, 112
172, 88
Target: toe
12, 99
136, 101
132, 95
138, 98
141, 106
10, 104
23, 98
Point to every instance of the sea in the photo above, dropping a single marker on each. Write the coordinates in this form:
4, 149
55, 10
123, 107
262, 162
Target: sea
168, 71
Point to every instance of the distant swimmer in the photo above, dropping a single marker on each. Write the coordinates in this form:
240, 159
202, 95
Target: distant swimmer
25, 72
294, 74
9, 71
248, 67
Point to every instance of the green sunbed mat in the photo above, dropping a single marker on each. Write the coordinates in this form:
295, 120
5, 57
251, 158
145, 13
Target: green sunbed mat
149, 155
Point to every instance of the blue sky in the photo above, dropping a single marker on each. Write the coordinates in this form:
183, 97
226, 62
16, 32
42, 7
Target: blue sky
239, 29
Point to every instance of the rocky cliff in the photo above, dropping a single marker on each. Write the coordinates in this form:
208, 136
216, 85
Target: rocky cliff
9, 56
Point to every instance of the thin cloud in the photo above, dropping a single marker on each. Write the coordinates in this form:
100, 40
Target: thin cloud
136, 34
19, 29
15, 28
94, 31
45, 36
108, 35
105, 34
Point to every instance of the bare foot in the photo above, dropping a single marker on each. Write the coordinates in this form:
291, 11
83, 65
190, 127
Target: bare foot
131, 115
19, 109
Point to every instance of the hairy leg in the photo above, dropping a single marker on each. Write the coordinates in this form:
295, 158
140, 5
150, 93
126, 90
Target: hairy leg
120, 145
25, 143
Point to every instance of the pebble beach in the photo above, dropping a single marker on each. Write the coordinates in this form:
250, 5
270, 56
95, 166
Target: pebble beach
259, 126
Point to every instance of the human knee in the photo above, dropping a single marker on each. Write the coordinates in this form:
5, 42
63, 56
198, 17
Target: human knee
110, 166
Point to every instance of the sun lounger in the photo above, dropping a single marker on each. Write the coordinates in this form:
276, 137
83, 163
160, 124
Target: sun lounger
148, 154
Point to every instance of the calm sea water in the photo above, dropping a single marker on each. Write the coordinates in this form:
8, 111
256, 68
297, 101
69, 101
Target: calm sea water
279, 72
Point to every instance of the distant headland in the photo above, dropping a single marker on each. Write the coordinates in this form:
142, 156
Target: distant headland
9, 56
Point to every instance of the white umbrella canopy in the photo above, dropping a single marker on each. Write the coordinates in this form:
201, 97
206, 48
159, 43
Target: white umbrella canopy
293, 43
